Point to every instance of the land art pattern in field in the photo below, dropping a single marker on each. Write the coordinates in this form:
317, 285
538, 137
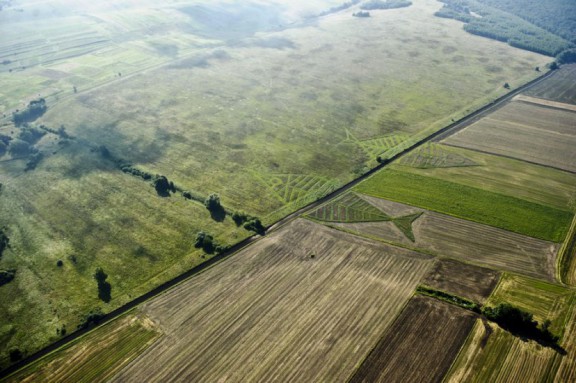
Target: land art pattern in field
472, 203
461, 279
529, 132
420, 346
305, 304
452, 237
433, 155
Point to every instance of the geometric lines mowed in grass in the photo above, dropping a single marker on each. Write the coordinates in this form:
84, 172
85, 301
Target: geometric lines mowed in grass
291, 187
348, 208
432, 155
380, 146
375, 147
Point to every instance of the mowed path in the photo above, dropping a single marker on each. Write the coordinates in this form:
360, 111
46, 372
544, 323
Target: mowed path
306, 304
526, 131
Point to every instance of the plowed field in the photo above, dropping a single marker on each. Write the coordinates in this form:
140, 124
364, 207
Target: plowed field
420, 346
306, 304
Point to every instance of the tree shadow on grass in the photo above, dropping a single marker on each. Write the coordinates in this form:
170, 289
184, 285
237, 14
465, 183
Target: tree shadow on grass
218, 214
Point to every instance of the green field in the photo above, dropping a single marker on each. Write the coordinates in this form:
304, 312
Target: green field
470, 203
263, 117
538, 184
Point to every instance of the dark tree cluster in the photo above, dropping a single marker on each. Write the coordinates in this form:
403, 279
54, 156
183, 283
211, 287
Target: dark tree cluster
488, 21
567, 57
163, 186
555, 16
60, 132
520, 322
4, 143
91, 319
248, 222
255, 225
129, 169
34, 110
104, 287
361, 14
385, 4
30, 134
33, 161
207, 243
4, 242
6, 276
339, 8
21, 148
217, 211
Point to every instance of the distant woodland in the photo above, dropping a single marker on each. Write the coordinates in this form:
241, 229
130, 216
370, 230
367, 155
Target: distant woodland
539, 27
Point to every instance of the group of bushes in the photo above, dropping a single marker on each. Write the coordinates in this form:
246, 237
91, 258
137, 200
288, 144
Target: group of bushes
6, 276
207, 243
104, 287
34, 110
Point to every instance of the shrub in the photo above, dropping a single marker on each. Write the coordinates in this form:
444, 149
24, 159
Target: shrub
6, 276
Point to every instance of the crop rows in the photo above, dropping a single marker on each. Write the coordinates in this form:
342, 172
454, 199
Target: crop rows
95, 357
420, 346
560, 87
348, 208
432, 155
305, 304
527, 132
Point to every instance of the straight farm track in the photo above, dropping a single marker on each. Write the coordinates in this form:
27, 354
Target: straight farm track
420, 346
306, 304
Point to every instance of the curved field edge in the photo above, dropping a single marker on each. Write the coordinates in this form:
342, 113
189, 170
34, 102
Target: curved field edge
469, 203
96, 356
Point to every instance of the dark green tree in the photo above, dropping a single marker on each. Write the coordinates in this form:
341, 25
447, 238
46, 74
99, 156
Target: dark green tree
104, 287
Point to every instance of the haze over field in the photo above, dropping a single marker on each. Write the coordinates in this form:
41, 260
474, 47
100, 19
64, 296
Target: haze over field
140, 139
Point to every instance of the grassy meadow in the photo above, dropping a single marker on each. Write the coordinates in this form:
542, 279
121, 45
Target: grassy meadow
269, 120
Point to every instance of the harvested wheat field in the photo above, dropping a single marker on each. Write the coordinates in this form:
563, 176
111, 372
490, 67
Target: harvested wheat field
471, 242
306, 304
420, 346
530, 132
468, 281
